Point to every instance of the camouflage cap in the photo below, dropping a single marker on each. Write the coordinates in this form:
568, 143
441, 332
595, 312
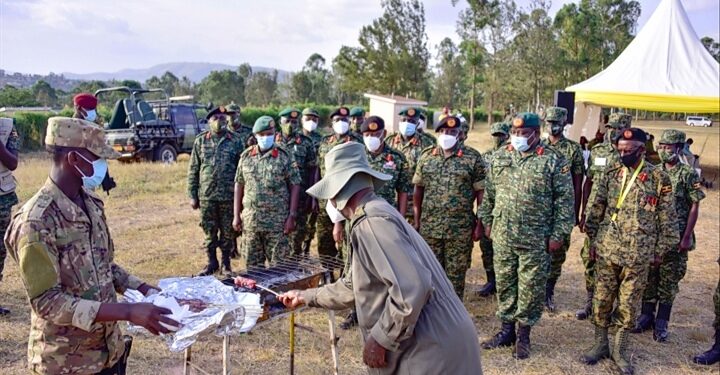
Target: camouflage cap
671, 137
372, 123
633, 134
619, 120
290, 112
233, 107
526, 120
411, 112
262, 124
556, 114
310, 112
78, 133
450, 122
500, 128
357, 112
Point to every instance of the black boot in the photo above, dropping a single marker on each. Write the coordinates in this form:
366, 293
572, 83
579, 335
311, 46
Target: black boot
711, 356
549, 293
350, 322
506, 337
522, 346
646, 319
585, 312
226, 268
660, 333
4, 311
489, 288
212, 265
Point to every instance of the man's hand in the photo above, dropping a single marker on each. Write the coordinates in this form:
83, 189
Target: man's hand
374, 354
291, 299
657, 259
685, 243
582, 224
314, 206
194, 203
289, 224
338, 232
488, 231
149, 317
147, 289
593, 253
554, 246
477, 231
237, 224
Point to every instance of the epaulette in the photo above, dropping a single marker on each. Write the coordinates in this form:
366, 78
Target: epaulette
599, 146
427, 150
35, 208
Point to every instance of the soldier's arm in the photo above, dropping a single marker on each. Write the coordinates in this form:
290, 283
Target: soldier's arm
479, 180
563, 212
485, 209
122, 280
419, 193
194, 171
668, 231
404, 185
9, 151
596, 209
696, 194
239, 191
578, 171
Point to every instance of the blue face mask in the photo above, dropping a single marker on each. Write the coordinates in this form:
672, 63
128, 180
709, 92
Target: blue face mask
407, 129
519, 143
265, 141
100, 168
90, 114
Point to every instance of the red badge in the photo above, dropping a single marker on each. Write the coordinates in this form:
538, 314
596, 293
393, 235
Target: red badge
397, 139
414, 141
643, 177
275, 152
435, 152
540, 150
254, 151
459, 153
389, 158
297, 140
652, 200
509, 148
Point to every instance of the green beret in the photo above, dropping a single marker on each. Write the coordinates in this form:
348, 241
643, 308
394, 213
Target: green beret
310, 112
219, 110
450, 122
357, 112
619, 120
411, 112
633, 134
500, 128
262, 124
372, 123
290, 112
556, 114
342, 111
671, 137
233, 107
526, 120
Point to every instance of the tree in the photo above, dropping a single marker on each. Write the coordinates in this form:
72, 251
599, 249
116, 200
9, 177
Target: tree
44, 94
168, 82
10, 96
712, 46
261, 88
447, 82
223, 86
311, 83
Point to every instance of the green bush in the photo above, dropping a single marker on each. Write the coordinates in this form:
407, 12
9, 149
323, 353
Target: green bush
31, 129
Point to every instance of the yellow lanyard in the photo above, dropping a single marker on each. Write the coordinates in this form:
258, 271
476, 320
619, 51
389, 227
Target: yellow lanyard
624, 191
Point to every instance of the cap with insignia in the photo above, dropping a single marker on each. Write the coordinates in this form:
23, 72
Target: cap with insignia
263, 123
556, 114
526, 120
232, 107
671, 137
450, 122
78, 133
221, 110
634, 134
619, 120
372, 123
310, 112
357, 112
342, 111
500, 128
290, 112
410, 112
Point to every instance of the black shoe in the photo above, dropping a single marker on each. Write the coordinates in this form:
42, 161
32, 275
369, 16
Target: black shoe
549, 294
646, 319
506, 337
660, 332
489, 288
226, 268
586, 311
349, 322
712, 356
4, 311
522, 345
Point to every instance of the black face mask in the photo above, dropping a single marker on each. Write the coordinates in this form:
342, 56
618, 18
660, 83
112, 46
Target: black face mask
630, 159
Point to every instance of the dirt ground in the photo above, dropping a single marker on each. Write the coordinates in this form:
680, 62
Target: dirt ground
157, 235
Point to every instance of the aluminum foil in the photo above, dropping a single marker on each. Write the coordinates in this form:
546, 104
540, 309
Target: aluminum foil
228, 311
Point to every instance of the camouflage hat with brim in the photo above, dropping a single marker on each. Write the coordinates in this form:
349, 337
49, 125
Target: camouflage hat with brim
233, 107
342, 111
290, 113
671, 137
357, 112
449, 122
78, 133
556, 114
633, 134
221, 110
410, 112
263, 123
619, 120
526, 120
341, 163
500, 128
372, 123
310, 112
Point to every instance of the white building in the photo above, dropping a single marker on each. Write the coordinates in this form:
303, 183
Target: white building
387, 107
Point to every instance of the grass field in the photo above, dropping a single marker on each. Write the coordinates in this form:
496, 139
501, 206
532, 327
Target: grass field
157, 235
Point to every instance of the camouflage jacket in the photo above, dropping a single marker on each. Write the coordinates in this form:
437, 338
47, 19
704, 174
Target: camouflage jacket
646, 223
213, 162
488, 156
303, 152
393, 163
528, 199
412, 148
315, 137
330, 141
687, 190
450, 185
246, 134
65, 260
602, 157
266, 179
10, 199
571, 151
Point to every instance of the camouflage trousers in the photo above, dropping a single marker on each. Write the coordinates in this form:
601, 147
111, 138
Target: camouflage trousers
624, 284
454, 255
5, 216
589, 265
216, 221
557, 259
663, 282
261, 246
324, 230
486, 251
310, 223
520, 277
297, 237
716, 300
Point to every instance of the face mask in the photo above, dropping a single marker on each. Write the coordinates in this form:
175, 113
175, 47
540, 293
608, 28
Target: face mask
90, 115
407, 129
217, 126
447, 141
100, 168
520, 143
556, 129
372, 143
668, 156
286, 128
265, 141
335, 215
629, 160
310, 125
340, 127
498, 141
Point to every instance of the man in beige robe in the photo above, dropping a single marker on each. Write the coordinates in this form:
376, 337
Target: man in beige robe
411, 320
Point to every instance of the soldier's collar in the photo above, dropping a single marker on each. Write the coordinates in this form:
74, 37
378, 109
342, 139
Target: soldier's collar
70, 211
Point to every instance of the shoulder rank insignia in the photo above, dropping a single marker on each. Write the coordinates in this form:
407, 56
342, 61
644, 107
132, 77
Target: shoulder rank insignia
697, 185
666, 189
565, 169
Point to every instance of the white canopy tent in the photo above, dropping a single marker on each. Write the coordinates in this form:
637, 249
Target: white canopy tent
665, 68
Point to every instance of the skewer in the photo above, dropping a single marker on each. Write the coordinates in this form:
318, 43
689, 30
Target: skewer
267, 290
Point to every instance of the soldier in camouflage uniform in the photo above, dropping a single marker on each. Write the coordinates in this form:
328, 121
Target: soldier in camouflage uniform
310, 121
302, 150
527, 212
500, 132
244, 131
8, 198
357, 117
213, 162
663, 282
712, 355
603, 157
341, 134
422, 129
452, 178
267, 190
556, 118
64, 251
631, 222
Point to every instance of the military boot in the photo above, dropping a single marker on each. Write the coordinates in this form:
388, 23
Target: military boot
600, 350
506, 337
226, 268
549, 294
660, 332
711, 356
351, 321
522, 345
585, 312
646, 320
619, 352
4, 311
489, 288
212, 265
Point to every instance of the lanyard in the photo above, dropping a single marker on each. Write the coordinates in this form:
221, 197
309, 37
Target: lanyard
624, 191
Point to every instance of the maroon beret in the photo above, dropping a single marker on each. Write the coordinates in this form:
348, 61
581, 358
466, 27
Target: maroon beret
85, 100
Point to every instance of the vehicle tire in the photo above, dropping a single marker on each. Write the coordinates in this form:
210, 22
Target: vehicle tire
692, 124
165, 154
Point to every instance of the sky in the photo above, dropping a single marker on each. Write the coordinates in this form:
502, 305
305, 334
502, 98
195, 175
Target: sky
81, 36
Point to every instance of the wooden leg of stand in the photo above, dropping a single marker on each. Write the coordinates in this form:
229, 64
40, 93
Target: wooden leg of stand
292, 343
333, 342
188, 359
226, 355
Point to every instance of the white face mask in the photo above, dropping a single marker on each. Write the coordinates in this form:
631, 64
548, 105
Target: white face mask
265, 141
519, 143
447, 141
335, 215
90, 114
372, 143
341, 127
310, 125
407, 129
100, 168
